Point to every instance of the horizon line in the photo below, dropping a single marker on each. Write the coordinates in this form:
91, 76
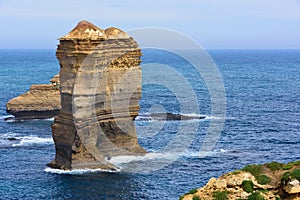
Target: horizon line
298, 48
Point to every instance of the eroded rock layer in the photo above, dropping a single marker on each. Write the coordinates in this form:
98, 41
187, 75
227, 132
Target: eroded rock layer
100, 92
40, 102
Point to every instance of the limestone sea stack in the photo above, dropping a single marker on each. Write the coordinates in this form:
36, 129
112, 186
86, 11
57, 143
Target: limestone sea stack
100, 92
40, 102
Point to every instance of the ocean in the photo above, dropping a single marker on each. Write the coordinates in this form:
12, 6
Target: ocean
262, 124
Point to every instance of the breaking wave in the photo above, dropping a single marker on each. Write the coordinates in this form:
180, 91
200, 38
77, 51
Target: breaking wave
15, 140
11, 118
161, 156
6, 116
123, 161
32, 140
77, 171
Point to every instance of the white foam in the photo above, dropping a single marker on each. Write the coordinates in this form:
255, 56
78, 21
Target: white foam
6, 116
223, 150
47, 119
192, 115
143, 118
77, 171
50, 119
11, 118
121, 161
213, 117
118, 160
8, 135
190, 154
32, 140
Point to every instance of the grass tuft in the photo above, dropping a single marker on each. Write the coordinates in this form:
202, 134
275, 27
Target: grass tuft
220, 195
295, 174
196, 198
235, 172
247, 186
288, 166
296, 162
274, 165
263, 179
256, 196
193, 191
255, 170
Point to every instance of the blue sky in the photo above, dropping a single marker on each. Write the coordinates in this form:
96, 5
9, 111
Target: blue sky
237, 24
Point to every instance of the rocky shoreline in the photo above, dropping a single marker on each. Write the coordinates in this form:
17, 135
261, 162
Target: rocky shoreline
254, 182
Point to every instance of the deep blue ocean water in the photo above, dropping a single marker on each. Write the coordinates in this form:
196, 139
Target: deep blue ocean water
262, 124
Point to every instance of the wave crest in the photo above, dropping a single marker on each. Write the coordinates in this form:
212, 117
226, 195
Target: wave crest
76, 171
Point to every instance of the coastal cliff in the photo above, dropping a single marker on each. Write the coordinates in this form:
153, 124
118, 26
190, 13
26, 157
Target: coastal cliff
40, 102
254, 182
100, 92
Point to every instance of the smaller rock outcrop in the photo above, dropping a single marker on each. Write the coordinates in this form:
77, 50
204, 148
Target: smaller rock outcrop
40, 102
269, 181
167, 117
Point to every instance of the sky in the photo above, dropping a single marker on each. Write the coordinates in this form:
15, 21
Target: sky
214, 24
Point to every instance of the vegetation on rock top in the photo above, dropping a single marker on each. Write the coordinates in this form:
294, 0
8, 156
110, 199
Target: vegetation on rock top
220, 195
268, 181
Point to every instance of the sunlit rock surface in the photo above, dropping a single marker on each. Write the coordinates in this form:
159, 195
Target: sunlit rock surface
40, 102
100, 92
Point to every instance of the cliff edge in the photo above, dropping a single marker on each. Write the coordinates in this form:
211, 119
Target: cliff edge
254, 182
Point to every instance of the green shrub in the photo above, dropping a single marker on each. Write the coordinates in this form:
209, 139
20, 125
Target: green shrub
181, 197
196, 198
193, 191
277, 198
256, 196
263, 191
285, 178
274, 165
295, 174
255, 170
247, 186
220, 195
263, 179
288, 166
235, 172
296, 162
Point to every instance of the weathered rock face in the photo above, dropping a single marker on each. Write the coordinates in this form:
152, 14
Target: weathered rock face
269, 181
100, 92
40, 102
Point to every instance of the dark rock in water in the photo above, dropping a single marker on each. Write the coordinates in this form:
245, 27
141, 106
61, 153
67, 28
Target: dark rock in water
166, 117
9, 118
100, 91
12, 139
8, 142
171, 116
29, 115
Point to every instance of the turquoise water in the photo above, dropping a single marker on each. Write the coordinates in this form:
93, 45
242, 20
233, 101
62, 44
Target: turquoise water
262, 124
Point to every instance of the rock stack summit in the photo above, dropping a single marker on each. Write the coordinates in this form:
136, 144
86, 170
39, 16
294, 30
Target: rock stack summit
100, 80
